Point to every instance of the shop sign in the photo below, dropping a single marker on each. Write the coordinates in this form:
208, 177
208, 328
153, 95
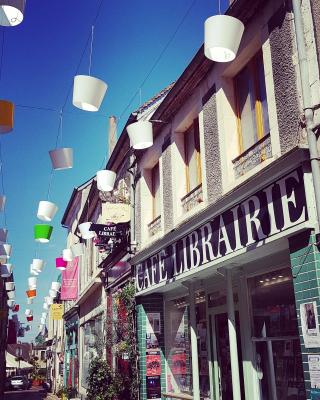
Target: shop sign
268, 212
56, 311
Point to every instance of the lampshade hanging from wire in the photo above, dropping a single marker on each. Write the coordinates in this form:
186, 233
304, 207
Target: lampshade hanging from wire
106, 180
5, 250
32, 282
33, 271
42, 233
67, 255
55, 286
61, 264
61, 158
31, 293
37, 264
88, 92
222, 37
84, 230
6, 270
6, 114
11, 295
9, 286
10, 303
11, 12
46, 210
140, 134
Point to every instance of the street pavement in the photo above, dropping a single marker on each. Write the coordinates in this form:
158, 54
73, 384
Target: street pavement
31, 394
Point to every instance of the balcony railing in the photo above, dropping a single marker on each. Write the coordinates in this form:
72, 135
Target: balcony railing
192, 199
253, 156
155, 226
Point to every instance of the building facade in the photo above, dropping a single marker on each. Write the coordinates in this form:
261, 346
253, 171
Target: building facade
227, 265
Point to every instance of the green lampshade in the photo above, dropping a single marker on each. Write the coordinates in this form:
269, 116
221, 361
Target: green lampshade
42, 233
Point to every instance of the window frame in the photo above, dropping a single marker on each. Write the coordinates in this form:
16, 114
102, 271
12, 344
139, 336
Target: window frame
194, 128
252, 65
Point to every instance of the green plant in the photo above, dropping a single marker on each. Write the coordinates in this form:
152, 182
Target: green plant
102, 384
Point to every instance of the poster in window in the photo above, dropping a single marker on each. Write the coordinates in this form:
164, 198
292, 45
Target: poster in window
153, 323
309, 324
153, 388
153, 363
179, 363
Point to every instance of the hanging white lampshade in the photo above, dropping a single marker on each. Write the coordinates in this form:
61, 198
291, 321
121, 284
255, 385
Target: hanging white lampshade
29, 300
32, 282
33, 271
3, 235
61, 158
44, 315
5, 250
77, 249
48, 300
67, 255
37, 265
28, 312
84, 230
6, 270
52, 293
42, 321
88, 92
2, 202
105, 180
222, 37
46, 210
9, 286
10, 303
45, 306
55, 286
11, 12
11, 295
140, 134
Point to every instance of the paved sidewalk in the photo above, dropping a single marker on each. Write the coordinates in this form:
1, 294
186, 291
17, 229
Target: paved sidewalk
51, 396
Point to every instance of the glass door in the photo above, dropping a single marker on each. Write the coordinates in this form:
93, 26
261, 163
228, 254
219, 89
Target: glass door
221, 356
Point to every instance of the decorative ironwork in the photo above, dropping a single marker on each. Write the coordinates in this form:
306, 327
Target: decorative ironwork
154, 226
192, 199
253, 156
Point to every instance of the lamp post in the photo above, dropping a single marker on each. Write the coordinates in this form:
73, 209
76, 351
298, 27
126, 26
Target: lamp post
19, 354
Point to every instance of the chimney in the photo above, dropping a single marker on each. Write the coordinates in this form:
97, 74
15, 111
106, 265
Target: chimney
112, 136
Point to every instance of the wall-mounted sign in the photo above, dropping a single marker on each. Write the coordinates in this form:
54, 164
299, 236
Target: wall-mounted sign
56, 311
116, 212
114, 232
309, 324
276, 208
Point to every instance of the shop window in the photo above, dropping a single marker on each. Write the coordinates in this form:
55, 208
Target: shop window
276, 336
178, 350
252, 116
192, 159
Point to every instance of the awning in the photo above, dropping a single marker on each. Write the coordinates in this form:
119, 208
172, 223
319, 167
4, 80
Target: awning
13, 364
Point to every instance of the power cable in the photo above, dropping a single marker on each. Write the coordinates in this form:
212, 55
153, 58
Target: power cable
158, 58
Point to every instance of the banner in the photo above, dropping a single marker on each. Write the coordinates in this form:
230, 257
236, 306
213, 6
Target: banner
56, 311
69, 286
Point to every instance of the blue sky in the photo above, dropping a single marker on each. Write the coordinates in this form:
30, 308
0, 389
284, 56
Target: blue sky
40, 58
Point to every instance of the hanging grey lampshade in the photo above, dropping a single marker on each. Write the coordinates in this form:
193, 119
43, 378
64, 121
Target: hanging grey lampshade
62, 158
11, 12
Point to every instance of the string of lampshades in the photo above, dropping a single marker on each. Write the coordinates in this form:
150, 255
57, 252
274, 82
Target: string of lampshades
222, 37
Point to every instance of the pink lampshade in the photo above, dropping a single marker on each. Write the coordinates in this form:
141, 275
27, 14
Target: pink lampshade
61, 264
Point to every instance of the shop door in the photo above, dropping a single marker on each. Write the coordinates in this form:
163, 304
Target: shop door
221, 356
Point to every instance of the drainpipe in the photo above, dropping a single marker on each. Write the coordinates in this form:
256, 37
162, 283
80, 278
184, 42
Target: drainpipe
307, 103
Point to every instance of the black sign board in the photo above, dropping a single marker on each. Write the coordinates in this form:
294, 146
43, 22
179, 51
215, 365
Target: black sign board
114, 232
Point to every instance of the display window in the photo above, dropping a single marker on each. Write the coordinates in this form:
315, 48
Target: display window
178, 350
276, 337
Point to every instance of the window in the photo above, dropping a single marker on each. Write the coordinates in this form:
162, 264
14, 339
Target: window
155, 191
192, 157
251, 104
43, 355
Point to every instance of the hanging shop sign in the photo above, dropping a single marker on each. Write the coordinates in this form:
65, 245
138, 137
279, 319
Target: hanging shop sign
69, 286
111, 237
56, 311
268, 212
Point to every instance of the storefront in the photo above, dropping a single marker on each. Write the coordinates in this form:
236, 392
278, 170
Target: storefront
218, 308
71, 365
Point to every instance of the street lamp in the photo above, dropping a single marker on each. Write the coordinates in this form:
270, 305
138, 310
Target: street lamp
19, 354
